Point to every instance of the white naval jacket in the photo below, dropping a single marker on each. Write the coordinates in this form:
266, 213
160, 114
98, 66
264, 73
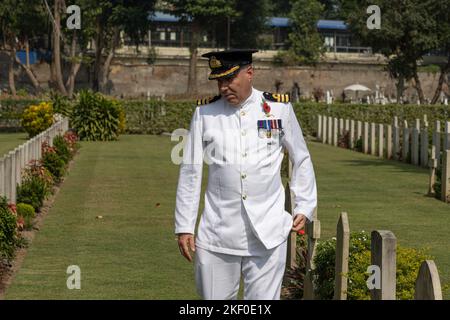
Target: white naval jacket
244, 200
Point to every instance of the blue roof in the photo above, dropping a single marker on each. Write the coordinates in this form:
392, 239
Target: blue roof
332, 24
321, 24
279, 22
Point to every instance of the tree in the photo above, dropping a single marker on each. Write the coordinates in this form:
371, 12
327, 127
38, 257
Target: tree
407, 33
105, 20
332, 9
246, 27
280, 8
201, 14
20, 21
304, 39
249, 24
442, 10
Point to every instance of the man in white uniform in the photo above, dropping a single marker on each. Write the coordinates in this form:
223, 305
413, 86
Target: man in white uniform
244, 228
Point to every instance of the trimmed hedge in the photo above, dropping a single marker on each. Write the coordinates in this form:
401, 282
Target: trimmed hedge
156, 117
11, 113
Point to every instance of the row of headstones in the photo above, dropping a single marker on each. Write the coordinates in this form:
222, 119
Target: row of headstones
383, 257
12, 163
394, 142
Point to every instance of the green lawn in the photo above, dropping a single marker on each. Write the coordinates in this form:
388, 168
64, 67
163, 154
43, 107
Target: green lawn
9, 141
131, 252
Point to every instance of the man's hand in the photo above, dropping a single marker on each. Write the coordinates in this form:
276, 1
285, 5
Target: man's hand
185, 242
299, 222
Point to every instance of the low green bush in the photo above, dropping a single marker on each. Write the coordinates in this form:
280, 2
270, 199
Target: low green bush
9, 238
27, 212
96, 117
36, 185
408, 264
62, 148
53, 162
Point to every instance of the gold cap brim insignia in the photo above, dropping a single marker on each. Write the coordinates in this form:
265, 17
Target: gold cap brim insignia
214, 63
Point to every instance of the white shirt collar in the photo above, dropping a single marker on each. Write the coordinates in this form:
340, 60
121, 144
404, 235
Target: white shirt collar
251, 99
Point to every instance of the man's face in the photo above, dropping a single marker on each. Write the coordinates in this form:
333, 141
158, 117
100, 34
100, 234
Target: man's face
238, 87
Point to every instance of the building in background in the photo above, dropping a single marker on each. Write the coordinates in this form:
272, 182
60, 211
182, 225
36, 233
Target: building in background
169, 31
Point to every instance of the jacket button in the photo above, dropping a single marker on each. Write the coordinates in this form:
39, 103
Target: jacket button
244, 197
244, 132
244, 176
243, 113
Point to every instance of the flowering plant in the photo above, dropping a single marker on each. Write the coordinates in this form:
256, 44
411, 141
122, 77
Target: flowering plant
71, 138
46, 148
37, 118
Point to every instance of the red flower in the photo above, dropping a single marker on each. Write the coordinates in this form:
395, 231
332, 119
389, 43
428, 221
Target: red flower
13, 208
266, 107
301, 232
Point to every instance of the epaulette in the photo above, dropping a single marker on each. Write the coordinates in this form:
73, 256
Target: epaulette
201, 102
277, 97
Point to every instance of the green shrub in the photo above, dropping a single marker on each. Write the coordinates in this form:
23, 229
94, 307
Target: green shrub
96, 117
53, 163
36, 185
9, 238
62, 148
61, 104
286, 58
27, 212
408, 264
37, 118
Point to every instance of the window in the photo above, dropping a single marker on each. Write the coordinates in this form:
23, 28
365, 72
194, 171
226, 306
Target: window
162, 36
329, 41
173, 36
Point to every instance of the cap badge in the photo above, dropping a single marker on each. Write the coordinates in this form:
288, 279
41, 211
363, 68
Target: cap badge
214, 63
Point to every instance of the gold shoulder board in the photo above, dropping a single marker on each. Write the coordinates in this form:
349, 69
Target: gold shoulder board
277, 97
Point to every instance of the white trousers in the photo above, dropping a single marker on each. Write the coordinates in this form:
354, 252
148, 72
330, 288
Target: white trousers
218, 275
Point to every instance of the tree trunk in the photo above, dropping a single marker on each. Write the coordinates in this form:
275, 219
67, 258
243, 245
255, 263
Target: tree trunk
112, 52
193, 50
418, 85
27, 68
33, 79
400, 87
11, 80
98, 55
57, 49
75, 67
444, 70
